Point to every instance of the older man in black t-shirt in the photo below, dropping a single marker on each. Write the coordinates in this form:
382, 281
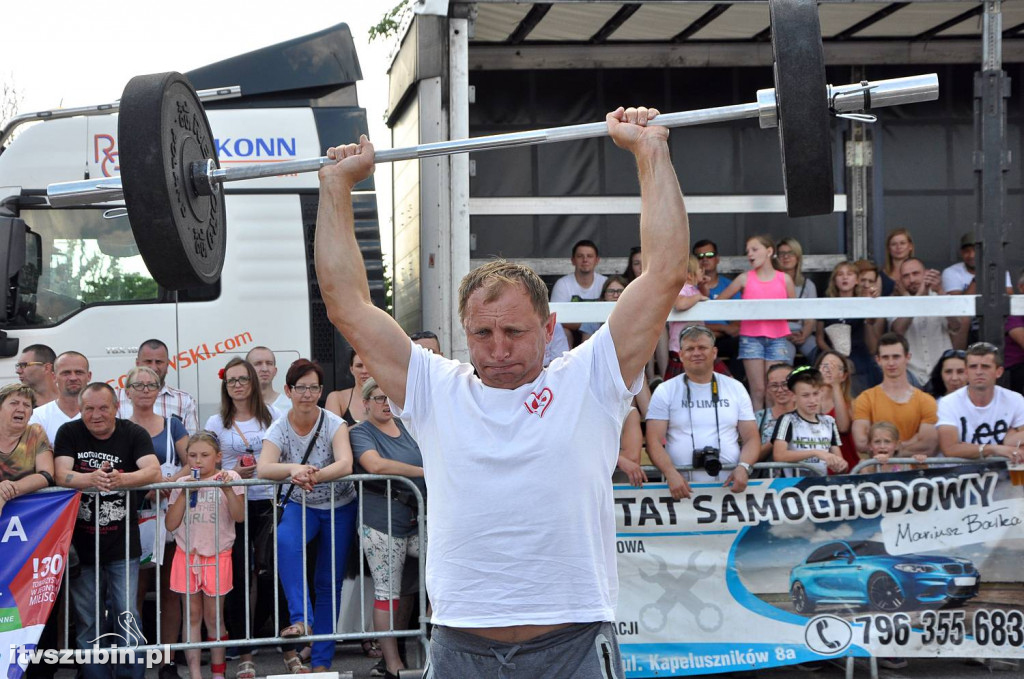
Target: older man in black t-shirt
102, 452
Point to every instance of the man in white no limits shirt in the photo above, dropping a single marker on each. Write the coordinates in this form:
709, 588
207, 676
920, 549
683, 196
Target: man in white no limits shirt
518, 461
699, 409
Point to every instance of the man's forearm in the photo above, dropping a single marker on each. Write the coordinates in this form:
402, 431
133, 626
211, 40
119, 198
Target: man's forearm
341, 272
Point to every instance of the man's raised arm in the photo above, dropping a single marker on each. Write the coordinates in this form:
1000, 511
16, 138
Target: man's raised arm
640, 313
341, 273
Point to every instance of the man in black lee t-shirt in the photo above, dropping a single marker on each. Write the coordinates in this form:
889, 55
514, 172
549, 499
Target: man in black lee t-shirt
104, 453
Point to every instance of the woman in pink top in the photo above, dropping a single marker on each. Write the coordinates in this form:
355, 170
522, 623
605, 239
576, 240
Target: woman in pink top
761, 342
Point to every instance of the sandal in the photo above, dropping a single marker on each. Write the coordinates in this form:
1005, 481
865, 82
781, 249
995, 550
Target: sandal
306, 653
294, 665
298, 629
246, 670
371, 649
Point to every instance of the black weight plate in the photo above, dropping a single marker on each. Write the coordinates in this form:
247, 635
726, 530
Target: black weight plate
801, 96
162, 128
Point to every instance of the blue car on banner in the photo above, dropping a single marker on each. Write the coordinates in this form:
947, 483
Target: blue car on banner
862, 573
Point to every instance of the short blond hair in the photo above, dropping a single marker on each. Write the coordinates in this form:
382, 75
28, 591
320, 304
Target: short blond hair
495, 277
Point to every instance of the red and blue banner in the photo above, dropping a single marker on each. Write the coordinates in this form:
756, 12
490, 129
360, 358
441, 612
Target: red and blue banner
796, 570
35, 533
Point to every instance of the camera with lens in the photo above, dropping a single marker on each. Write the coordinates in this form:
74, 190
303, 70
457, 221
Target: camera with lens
709, 459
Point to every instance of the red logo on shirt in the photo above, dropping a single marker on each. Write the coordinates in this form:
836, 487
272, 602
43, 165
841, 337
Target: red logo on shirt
538, 403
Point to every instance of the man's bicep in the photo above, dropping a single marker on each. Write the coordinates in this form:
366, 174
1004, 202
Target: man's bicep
636, 322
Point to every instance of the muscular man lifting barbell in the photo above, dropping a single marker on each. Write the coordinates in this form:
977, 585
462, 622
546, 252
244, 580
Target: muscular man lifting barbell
521, 559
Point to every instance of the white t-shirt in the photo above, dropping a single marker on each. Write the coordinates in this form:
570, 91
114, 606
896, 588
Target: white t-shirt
566, 288
981, 425
696, 413
232, 446
282, 404
50, 417
293, 448
957, 278
522, 520
801, 434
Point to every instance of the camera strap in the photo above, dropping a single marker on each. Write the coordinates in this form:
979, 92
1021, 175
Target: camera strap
714, 403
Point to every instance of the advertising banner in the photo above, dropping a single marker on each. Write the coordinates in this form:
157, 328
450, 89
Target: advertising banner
35, 532
917, 563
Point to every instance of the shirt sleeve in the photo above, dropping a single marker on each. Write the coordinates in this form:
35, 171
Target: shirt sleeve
361, 441
233, 475
560, 291
178, 430
929, 409
1018, 409
949, 280
783, 429
862, 408
658, 408
606, 375
277, 435
745, 412
946, 414
836, 438
64, 442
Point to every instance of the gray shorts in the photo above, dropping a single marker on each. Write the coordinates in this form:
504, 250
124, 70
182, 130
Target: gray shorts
581, 651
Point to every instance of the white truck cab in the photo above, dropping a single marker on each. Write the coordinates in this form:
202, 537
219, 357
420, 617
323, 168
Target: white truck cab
77, 281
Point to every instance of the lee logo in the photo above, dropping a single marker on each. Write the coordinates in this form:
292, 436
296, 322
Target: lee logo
538, 403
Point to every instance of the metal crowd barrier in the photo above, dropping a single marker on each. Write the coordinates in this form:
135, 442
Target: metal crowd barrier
770, 467
337, 570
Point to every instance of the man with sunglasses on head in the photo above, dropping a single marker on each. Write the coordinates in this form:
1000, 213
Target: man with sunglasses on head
727, 333
35, 369
428, 341
701, 412
170, 402
982, 419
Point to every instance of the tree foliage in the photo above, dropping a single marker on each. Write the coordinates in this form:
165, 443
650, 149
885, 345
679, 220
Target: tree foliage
390, 22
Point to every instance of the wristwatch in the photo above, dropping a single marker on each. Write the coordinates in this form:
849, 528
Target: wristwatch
981, 450
745, 465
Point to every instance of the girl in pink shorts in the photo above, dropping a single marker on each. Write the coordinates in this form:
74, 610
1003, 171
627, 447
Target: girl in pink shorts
203, 523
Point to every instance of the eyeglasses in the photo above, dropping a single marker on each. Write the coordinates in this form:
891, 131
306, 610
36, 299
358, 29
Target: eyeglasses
145, 386
303, 389
786, 253
379, 400
776, 386
953, 353
706, 255
232, 381
614, 292
23, 364
987, 347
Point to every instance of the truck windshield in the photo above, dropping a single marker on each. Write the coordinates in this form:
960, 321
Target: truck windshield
83, 259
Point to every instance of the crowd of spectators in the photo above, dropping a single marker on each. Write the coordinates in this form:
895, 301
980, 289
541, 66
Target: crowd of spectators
868, 377
720, 396
224, 547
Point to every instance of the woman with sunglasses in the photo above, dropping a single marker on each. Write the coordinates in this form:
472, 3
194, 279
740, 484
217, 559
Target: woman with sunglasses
169, 441
949, 374
240, 426
382, 445
310, 446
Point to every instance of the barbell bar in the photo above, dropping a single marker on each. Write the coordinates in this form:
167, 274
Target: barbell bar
206, 176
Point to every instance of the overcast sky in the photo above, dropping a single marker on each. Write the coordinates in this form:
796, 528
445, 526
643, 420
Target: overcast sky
66, 53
